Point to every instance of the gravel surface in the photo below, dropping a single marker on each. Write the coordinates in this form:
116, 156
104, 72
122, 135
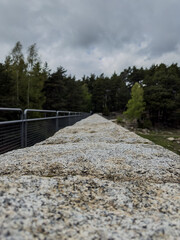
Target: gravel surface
93, 180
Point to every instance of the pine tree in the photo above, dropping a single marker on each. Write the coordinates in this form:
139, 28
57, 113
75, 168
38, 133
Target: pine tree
55, 90
16, 68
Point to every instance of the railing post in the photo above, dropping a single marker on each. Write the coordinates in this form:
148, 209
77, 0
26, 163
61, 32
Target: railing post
57, 120
22, 130
69, 113
25, 127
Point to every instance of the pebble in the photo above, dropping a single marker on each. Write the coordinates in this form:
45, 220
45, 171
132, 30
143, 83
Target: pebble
171, 139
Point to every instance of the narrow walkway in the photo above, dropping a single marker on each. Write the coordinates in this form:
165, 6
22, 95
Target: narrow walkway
93, 180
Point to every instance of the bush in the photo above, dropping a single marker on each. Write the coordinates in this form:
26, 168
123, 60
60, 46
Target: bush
147, 124
106, 111
119, 119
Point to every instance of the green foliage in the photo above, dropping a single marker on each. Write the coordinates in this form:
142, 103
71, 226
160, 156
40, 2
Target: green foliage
162, 140
119, 119
107, 92
119, 93
63, 92
136, 105
99, 96
26, 83
147, 123
36, 77
16, 68
22, 80
7, 93
106, 111
86, 97
162, 94
55, 90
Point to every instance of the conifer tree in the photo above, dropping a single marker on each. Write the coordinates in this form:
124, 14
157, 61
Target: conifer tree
16, 67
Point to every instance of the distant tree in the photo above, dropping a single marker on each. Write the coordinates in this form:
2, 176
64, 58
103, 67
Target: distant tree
89, 81
7, 93
16, 68
120, 93
162, 94
135, 75
36, 76
73, 94
100, 95
86, 105
55, 90
66, 93
26, 84
32, 60
136, 105
26, 78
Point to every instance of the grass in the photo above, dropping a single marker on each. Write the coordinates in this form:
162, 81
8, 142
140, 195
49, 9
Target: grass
161, 138
158, 136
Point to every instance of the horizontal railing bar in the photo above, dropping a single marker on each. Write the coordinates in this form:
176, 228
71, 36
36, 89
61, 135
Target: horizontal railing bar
11, 135
63, 112
26, 131
10, 141
5, 148
9, 129
39, 119
36, 119
14, 134
39, 110
16, 125
11, 109
15, 131
11, 122
69, 112
48, 118
10, 144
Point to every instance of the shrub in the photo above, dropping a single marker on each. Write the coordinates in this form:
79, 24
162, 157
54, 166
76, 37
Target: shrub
147, 124
119, 119
106, 111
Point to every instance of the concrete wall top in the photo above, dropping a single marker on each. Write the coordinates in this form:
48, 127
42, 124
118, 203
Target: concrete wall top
93, 180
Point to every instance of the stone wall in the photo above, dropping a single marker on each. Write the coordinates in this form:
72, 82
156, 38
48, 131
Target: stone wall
93, 180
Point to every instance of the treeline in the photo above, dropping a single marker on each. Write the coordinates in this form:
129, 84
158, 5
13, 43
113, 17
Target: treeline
161, 87
28, 83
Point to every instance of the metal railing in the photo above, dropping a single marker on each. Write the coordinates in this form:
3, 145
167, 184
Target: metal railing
27, 131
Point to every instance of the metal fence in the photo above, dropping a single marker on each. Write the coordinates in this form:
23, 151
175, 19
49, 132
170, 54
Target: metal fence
28, 130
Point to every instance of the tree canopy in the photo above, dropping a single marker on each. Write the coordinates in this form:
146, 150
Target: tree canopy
26, 82
136, 105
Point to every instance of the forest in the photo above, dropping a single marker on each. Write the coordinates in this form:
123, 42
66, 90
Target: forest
26, 82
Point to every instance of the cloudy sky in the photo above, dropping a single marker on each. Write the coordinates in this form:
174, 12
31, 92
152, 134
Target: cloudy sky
93, 36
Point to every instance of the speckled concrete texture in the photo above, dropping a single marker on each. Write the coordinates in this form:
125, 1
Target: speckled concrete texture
93, 180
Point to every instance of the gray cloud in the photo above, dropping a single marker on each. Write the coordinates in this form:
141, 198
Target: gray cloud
93, 36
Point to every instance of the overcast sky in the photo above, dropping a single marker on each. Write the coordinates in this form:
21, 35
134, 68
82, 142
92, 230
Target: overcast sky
93, 36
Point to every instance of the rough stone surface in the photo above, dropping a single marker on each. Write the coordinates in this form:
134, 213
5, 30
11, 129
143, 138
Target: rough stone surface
171, 139
93, 180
